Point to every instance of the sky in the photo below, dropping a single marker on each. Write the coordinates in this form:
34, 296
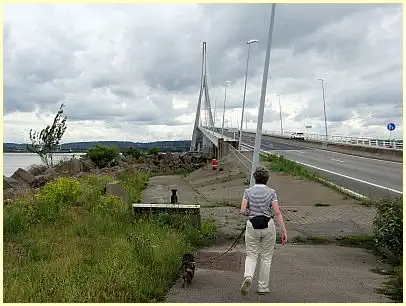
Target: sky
132, 71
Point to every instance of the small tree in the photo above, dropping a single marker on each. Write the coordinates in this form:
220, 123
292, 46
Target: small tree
102, 155
45, 142
153, 150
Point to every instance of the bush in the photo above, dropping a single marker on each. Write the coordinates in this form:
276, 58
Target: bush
103, 156
134, 152
388, 229
153, 150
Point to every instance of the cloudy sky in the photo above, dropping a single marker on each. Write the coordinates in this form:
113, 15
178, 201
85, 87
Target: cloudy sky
132, 71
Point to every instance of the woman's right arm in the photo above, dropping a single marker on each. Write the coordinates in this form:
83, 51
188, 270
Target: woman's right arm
279, 221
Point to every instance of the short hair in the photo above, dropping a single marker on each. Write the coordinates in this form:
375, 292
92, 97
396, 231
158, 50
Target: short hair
261, 175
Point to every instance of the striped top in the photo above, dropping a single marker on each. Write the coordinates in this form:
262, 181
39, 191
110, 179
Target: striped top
260, 198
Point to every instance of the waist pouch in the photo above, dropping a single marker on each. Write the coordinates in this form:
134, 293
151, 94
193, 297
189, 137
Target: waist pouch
260, 222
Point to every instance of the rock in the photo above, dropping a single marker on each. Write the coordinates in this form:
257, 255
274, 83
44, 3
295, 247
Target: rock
9, 182
23, 175
40, 180
80, 174
115, 189
50, 174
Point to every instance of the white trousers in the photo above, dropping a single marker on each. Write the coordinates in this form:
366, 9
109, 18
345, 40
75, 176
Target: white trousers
260, 242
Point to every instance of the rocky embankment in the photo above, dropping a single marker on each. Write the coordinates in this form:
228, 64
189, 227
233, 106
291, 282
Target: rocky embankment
37, 176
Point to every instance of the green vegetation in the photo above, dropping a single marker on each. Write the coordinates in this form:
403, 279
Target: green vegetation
281, 164
153, 150
388, 238
102, 156
134, 152
45, 143
72, 243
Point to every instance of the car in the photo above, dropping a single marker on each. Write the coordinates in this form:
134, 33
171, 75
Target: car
298, 136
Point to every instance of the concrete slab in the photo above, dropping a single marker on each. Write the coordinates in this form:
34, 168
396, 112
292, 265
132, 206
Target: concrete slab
299, 273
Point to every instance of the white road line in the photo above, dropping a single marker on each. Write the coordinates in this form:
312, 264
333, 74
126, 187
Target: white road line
374, 159
340, 161
349, 177
339, 174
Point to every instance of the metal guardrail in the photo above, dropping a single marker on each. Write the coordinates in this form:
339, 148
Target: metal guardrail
244, 160
363, 141
349, 140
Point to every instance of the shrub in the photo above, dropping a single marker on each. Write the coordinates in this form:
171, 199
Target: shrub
388, 229
153, 150
102, 155
51, 200
134, 152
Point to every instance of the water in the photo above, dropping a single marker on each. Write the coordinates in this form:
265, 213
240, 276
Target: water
13, 161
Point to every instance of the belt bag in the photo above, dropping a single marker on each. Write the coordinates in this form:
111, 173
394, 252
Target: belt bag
260, 222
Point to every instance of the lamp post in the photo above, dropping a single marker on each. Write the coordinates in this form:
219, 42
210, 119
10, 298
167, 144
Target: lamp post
257, 147
280, 113
245, 90
324, 103
224, 109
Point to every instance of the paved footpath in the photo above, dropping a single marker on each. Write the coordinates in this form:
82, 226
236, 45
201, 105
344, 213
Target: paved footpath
300, 273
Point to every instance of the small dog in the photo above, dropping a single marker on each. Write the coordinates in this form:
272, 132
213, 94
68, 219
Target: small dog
188, 268
174, 197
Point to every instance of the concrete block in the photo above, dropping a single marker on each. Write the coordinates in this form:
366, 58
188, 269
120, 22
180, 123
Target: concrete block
115, 189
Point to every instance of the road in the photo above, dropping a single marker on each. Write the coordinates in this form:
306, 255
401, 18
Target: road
370, 177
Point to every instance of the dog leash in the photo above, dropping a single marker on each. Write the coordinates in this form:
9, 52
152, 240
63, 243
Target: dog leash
224, 253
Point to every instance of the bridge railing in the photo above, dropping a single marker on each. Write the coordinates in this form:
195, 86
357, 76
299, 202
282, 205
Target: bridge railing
244, 160
363, 141
349, 140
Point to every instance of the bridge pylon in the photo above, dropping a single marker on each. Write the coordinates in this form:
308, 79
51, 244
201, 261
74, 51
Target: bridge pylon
197, 137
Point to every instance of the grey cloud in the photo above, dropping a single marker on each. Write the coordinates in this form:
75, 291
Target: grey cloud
53, 54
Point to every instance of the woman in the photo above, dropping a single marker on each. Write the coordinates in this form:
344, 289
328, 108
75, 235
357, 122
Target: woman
260, 204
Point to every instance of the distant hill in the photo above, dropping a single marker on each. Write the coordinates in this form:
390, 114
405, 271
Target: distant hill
169, 146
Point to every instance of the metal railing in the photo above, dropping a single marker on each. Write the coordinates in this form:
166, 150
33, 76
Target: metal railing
244, 160
349, 140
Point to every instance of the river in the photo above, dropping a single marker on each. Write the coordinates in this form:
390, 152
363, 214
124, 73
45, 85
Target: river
13, 161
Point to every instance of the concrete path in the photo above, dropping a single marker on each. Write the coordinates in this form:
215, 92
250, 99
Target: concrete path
300, 273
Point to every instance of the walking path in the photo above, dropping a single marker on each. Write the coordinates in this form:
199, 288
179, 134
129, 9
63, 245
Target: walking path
300, 273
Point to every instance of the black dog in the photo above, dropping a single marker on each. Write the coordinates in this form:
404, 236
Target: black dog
174, 197
188, 268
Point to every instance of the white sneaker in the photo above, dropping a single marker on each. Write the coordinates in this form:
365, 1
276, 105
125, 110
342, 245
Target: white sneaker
246, 285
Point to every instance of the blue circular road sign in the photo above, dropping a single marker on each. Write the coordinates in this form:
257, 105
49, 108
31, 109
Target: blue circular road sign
391, 126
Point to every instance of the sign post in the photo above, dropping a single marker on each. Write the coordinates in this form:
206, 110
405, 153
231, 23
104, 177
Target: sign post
391, 127
307, 128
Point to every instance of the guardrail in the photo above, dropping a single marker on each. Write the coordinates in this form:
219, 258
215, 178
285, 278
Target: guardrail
245, 161
363, 141
349, 140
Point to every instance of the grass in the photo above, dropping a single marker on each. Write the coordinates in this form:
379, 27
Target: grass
71, 243
281, 164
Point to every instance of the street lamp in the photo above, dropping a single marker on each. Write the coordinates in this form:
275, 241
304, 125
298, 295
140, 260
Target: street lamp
245, 89
324, 103
257, 147
280, 113
224, 110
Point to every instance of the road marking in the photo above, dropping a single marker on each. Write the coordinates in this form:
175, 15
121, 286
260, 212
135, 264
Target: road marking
375, 159
339, 174
340, 161
349, 177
